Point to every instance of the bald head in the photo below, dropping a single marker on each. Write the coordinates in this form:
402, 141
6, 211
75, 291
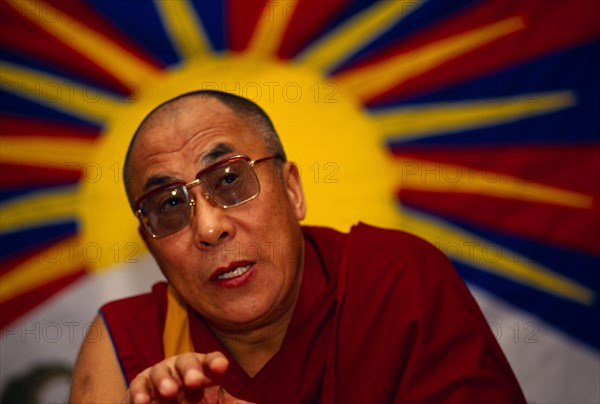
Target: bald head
171, 111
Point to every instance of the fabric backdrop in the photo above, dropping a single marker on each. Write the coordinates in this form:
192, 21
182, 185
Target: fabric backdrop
473, 124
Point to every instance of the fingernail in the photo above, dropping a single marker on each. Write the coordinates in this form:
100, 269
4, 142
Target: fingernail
140, 398
166, 386
193, 377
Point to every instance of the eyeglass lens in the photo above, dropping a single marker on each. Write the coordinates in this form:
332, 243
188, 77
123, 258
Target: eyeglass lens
228, 185
231, 184
167, 211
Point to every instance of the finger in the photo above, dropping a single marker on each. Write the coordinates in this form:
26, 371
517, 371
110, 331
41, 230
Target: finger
139, 391
189, 369
164, 381
215, 365
200, 370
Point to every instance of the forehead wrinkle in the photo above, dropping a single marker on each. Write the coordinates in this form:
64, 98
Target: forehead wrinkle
214, 115
216, 119
215, 152
162, 177
190, 143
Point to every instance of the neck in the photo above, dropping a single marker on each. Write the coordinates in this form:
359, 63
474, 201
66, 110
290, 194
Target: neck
252, 349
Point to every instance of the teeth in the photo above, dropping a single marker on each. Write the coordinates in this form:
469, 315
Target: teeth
236, 272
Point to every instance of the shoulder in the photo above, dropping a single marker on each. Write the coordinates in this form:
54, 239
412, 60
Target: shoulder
130, 318
135, 325
389, 237
367, 236
395, 263
394, 248
376, 247
382, 258
402, 298
97, 374
324, 236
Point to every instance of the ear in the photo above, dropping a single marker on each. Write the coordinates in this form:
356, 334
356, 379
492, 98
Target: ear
293, 187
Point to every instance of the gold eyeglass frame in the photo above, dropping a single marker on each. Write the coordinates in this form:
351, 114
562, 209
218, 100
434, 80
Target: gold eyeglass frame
198, 181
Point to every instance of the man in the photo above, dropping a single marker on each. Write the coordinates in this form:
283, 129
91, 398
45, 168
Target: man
260, 309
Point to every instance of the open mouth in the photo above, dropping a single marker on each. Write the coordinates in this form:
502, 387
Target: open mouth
232, 272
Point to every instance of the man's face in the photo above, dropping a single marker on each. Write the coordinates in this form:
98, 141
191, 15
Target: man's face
240, 267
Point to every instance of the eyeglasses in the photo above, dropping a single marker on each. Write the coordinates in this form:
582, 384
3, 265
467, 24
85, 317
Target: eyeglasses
228, 183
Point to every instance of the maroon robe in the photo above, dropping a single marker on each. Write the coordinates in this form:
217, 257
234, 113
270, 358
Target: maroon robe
382, 317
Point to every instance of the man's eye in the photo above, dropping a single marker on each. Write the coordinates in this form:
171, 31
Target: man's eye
228, 180
171, 203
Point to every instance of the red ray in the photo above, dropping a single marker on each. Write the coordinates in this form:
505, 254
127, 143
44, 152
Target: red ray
35, 174
242, 17
27, 38
306, 24
552, 224
15, 176
30, 126
22, 36
551, 26
565, 166
14, 308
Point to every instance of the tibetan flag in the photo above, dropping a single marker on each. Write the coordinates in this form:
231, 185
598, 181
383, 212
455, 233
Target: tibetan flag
471, 123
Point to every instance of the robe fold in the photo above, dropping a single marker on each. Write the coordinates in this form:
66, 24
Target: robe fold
382, 317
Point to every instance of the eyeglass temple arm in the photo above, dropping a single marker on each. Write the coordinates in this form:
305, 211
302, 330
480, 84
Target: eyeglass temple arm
275, 156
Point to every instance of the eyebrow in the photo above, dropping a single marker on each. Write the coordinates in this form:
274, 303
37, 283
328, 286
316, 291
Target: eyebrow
158, 180
213, 154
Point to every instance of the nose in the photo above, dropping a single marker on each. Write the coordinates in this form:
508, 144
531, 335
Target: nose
210, 223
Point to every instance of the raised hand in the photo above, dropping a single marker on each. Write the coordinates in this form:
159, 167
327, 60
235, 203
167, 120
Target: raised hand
186, 378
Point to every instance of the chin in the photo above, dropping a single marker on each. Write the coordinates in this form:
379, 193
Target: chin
251, 314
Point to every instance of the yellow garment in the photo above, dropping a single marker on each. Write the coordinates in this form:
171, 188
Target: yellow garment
176, 334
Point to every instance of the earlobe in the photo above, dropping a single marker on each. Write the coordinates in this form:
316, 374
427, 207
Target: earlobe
293, 186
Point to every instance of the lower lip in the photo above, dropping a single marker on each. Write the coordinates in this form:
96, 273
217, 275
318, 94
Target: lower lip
238, 280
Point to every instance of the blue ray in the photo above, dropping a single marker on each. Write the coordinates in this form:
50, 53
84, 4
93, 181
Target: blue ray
21, 241
142, 24
418, 18
573, 70
214, 21
573, 318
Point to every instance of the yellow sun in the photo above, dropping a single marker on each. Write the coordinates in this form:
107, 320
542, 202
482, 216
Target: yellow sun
345, 172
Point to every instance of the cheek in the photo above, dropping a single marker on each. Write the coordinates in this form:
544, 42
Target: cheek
271, 225
170, 255
280, 229
276, 205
